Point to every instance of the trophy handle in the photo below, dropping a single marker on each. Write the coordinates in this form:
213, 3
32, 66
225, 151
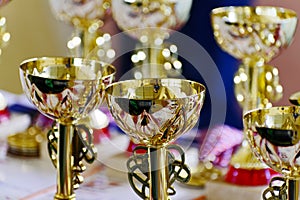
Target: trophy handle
138, 168
82, 149
277, 189
178, 170
139, 175
52, 137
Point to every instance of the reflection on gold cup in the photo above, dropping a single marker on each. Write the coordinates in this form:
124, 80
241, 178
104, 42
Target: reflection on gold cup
254, 34
155, 112
64, 89
273, 134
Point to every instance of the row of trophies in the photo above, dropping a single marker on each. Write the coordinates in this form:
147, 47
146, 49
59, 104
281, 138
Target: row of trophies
155, 110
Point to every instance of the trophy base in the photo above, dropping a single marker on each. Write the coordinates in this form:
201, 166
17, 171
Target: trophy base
63, 197
216, 190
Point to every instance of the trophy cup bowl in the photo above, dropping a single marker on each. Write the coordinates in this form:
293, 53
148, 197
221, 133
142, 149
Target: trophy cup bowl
63, 89
151, 23
274, 138
253, 33
66, 90
154, 113
150, 18
79, 13
88, 19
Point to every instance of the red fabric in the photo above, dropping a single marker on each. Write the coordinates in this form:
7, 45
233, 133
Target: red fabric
4, 115
249, 177
100, 134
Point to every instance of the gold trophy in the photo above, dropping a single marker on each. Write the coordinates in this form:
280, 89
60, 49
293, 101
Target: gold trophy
91, 42
274, 139
253, 35
151, 23
154, 113
87, 18
65, 89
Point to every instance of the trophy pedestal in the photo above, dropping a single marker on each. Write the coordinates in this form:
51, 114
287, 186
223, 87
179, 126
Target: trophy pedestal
216, 190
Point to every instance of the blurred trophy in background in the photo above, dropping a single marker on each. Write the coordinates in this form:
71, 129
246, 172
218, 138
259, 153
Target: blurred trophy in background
91, 42
151, 23
254, 35
87, 18
88, 40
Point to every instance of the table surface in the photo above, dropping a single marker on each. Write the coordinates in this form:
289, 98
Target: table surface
106, 178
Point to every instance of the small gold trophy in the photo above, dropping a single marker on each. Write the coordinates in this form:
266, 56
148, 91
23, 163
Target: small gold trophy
151, 23
65, 89
254, 35
87, 18
154, 113
274, 138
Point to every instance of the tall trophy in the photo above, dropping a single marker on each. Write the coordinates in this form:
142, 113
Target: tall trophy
151, 23
88, 19
253, 35
65, 89
154, 113
274, 139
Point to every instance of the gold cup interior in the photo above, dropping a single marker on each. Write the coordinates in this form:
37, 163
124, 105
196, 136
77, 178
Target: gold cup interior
155, 111
65, 88
256, 32
274, 135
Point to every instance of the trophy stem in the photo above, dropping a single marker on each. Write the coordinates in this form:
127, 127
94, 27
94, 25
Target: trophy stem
64, 163
255, 86
88, 33
255, 96
84, 48
152, 66
293, 189
158, 173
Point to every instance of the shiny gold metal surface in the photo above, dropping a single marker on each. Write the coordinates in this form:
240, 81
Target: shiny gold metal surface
268, 87
295, 98
155, 112
273, 134
254, 35
151, 22
65, 89
156, 61
87, 18
148, 21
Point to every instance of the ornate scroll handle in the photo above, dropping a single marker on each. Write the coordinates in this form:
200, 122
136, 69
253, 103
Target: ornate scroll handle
83, 149
138, 170
276, 190
178, 170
